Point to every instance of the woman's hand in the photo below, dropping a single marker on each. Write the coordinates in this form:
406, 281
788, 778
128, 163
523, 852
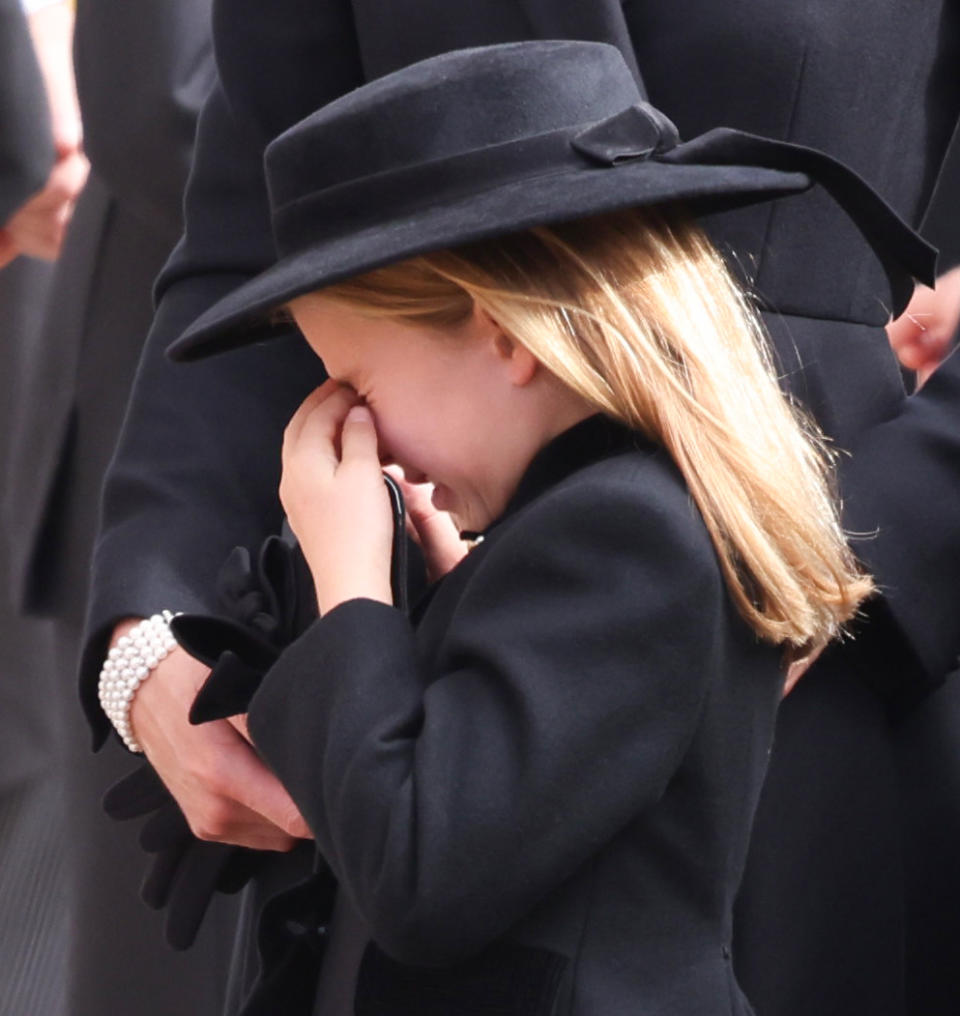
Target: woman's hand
434, 531
333, 492
922, 335
798, 666
38, 227
224, 789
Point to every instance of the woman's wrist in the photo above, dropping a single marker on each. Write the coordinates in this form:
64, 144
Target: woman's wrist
137, 648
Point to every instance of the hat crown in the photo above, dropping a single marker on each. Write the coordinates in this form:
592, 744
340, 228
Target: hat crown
479, 143
449, 105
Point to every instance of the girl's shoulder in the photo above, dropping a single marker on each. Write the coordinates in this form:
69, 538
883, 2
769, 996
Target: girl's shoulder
626, 517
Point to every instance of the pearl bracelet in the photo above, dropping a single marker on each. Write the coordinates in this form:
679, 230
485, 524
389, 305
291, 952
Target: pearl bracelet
128, 664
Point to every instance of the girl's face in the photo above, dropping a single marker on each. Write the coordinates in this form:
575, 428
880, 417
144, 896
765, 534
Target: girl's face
464, 409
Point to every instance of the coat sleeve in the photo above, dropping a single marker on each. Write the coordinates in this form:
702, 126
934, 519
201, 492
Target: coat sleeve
914, 512
450, 798
26, 145
196, 469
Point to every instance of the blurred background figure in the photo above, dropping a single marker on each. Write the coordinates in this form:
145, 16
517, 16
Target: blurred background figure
142, 71
42, 170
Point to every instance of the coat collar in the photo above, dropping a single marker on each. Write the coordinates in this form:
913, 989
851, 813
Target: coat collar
595, 438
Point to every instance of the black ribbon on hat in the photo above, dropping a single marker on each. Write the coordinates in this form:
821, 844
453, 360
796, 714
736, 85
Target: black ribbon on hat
639, 132
642, 132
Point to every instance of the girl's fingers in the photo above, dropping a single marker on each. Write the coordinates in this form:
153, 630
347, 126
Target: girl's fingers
296, 422
320, 415
358, 439
321, 431
440, 542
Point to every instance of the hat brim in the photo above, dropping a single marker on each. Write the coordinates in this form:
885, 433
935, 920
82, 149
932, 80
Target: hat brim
237, 319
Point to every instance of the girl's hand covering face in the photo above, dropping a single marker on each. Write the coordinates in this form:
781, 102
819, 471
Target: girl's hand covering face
336, 502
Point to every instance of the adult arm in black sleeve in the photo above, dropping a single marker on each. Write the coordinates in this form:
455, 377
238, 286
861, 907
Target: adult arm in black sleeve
197, 466
915, 556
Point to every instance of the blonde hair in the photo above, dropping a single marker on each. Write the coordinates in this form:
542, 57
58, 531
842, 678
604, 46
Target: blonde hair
636, 312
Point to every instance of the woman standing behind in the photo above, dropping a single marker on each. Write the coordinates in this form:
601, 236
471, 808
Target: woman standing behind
536, 795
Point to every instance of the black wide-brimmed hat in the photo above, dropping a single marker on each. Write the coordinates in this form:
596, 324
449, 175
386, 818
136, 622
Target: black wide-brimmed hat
481, 142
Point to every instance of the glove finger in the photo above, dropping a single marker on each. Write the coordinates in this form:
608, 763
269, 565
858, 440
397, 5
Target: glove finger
165, 829
238, 871
195, 885
158, 882
138, 793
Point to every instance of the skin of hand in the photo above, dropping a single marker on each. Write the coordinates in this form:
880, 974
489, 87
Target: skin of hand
336, 502
921, 336
796, 668
38, 227
433, 530
223, 788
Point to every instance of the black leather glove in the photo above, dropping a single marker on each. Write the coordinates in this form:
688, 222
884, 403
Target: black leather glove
184, 872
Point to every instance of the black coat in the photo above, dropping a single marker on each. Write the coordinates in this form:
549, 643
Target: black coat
816, 73
543, 789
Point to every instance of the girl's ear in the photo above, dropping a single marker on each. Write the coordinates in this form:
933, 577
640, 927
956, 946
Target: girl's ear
520, 364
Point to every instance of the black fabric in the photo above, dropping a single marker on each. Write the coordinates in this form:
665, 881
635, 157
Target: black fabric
184, 873
927, 755
532, 763
912, 519
506, 980
929, 760
291, 936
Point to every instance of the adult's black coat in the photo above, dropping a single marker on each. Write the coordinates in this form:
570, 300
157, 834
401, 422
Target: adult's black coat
877, 88
142, 71
928, 740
